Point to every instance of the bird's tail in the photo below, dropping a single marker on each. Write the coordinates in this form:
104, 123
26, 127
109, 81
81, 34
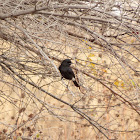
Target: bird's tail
75, 83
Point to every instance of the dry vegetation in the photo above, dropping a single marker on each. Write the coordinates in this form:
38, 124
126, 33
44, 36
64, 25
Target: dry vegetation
101, 37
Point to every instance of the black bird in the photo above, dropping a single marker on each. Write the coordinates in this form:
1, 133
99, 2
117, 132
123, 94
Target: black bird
67, 72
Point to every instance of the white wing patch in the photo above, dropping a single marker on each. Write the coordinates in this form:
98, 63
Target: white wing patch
73, 79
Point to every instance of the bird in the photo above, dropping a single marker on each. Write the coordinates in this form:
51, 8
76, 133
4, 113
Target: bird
67, 72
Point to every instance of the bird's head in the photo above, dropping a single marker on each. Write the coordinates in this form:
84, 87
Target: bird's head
66, 62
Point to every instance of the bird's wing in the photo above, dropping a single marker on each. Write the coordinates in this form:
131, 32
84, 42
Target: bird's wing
71, 72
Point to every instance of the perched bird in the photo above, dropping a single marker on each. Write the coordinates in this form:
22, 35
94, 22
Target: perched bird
67, 72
